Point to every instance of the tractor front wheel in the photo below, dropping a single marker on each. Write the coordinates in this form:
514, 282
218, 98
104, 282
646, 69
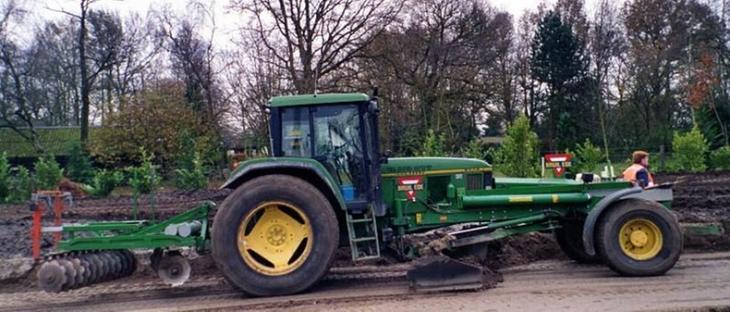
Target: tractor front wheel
639, 238
274, 235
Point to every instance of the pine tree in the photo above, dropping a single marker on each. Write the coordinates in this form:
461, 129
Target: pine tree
560, 62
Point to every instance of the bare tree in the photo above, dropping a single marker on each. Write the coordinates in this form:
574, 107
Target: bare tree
15, 110
312, 39
527, 86
139, 48
193, 58
606, 47
88, 76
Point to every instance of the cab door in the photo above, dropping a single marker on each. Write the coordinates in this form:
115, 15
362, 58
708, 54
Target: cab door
340, 145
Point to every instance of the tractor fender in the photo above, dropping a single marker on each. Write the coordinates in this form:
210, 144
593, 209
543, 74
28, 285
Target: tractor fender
306, 169
598, 209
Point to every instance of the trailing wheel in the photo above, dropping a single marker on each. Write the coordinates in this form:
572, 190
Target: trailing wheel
274, 235
173, 269
570, 239
639, 238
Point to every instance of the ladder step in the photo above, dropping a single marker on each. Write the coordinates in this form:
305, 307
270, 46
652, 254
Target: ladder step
367, 258
364, 239
361, 226
361, 220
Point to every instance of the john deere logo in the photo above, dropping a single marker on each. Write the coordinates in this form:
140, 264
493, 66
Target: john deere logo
276, 235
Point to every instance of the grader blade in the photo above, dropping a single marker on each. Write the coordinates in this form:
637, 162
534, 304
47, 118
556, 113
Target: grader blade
441, 273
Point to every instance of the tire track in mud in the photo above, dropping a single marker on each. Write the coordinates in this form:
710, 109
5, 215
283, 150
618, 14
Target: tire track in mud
135, 294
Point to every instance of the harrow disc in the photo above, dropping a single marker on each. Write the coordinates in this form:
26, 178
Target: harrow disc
118, 263
115, 264
70, 273
88, 274
124, 261
132, 260
96, 267
52, 276
107, 265
73, 270
80, 271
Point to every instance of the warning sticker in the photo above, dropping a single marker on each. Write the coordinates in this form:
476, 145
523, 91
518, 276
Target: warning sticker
410, 185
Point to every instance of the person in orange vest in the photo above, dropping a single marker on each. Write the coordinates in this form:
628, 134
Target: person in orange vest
638, 173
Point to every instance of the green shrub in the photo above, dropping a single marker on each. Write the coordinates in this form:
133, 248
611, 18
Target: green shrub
47, 172
193, 177
518, 155
588, 157
433, 145
79, 167
157, 120
4, 176
689, 151
720, 158
104, 182
144, 178
20, 186
474, 150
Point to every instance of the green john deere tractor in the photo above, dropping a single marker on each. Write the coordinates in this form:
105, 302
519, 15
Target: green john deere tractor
327, 185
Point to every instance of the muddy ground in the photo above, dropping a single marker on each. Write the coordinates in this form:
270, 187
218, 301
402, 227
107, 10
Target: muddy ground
699, 282
700, 197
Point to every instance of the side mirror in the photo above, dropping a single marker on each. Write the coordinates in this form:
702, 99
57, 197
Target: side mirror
373, 106
384, 156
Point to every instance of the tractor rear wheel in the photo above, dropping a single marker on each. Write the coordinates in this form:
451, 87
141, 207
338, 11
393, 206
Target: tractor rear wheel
570, 239
274, 235
639, 238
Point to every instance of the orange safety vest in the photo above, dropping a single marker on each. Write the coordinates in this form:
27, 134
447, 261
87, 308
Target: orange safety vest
630, 173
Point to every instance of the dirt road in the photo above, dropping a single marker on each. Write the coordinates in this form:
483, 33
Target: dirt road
699, 281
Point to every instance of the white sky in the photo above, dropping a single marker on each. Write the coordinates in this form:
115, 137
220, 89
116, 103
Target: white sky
226, 22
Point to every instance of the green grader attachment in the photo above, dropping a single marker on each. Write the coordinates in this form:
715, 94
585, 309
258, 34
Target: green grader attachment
327, 185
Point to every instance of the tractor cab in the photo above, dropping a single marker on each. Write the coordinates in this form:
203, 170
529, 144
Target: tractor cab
337, 130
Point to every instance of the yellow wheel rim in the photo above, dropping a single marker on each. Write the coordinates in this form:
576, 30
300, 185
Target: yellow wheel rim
275, 238
640, 239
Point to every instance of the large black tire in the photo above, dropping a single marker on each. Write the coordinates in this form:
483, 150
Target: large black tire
243, 201
635, 210
570, 239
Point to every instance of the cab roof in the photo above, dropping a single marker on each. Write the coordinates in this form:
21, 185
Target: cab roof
317, 99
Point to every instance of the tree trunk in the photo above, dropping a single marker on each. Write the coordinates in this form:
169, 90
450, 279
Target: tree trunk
85, 102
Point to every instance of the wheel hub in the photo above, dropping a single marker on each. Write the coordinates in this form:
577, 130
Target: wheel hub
275, 238
640, 239
276, 235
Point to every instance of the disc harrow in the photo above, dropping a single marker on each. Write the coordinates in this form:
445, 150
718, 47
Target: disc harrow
73, 270
95, 252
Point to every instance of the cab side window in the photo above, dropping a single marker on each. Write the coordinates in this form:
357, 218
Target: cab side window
295, 132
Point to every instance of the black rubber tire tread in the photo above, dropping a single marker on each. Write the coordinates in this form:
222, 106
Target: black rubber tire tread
570, 239
610, 224
243, 200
